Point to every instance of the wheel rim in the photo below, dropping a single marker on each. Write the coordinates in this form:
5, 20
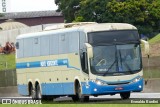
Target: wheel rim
79, 92
39, 96
32, 94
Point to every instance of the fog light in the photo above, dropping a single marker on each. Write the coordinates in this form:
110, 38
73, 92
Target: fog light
95, 89
140, 86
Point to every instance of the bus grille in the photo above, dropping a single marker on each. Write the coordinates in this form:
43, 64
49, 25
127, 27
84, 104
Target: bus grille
118, 83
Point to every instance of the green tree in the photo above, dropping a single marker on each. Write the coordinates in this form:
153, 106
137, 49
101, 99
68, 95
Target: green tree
144, 14
68, 8
91, 10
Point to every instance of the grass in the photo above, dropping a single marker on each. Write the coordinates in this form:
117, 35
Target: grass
155, 39
7, 61
86, 105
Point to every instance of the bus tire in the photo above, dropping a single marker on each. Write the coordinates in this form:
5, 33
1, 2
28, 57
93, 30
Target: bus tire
39, 96
125, 95
32, 93
38, 93
79, 96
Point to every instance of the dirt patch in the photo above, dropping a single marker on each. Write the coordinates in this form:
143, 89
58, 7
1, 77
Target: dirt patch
154, 50
9, 91
153, 61
153, 85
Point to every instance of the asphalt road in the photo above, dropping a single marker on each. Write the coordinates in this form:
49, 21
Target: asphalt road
117, 96
101, 99
11, 92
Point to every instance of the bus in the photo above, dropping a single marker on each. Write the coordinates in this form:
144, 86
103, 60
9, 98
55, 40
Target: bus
80, 60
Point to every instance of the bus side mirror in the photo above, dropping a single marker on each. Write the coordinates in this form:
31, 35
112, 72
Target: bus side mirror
89, 50
146, 47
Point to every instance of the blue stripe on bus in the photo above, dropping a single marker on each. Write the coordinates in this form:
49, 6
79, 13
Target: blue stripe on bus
58, 88
94, 89
45, 63
89, 88
51, 89
23, 89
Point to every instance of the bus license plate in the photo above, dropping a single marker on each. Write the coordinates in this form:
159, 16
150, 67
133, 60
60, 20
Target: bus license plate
119, 88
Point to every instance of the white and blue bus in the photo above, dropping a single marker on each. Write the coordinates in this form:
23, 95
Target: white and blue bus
80, 60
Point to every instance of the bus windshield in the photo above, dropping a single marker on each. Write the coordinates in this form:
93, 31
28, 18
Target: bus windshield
116, 59
115, 53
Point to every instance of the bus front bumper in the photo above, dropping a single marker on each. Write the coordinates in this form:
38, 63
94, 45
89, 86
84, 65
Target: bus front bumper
91, 88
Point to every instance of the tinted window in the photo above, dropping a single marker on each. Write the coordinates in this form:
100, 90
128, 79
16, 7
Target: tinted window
110, 37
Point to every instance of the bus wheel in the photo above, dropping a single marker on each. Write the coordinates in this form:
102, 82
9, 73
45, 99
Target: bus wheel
33, 93
125, 95
38, 92
79, 96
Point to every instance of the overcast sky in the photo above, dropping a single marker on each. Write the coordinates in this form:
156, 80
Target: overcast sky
30, 5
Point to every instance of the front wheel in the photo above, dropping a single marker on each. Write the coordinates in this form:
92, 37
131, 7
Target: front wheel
79, 96
125, 95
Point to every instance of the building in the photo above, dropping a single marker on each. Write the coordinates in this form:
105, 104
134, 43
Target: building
34, 18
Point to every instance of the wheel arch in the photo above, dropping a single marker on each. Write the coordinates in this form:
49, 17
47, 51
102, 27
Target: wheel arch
76, 82
37, 82
30, 85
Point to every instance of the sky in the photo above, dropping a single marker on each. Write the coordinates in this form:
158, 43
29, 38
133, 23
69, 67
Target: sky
30, 5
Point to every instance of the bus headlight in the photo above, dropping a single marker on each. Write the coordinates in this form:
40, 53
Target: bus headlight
137, 79
99, 82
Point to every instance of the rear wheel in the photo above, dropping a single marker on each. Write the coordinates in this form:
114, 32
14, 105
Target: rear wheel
32, 93
79, 96
125, 95
38, 93
39, 96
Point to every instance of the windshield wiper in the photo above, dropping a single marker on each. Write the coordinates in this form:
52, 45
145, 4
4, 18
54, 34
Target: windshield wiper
110, 67
112, 63
120, 57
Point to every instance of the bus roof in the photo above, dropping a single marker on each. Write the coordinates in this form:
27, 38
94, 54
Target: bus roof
90, 27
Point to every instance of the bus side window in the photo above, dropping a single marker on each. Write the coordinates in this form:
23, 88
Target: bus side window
84, 62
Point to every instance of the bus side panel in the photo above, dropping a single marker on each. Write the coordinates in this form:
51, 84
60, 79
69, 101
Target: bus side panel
52, 89
73, 67
21, 82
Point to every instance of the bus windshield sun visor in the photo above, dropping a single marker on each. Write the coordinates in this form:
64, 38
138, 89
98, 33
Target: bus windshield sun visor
113, 37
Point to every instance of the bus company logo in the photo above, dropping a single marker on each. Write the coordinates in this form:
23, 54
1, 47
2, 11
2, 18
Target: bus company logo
49, 63
20, 101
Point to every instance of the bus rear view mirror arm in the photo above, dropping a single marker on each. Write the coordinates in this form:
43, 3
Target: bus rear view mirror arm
89, 50
146, 47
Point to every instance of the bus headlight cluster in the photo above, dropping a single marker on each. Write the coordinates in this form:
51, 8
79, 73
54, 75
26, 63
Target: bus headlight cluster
99, 82
137, 79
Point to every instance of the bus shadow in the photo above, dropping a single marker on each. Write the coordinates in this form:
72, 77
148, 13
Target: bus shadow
68, 100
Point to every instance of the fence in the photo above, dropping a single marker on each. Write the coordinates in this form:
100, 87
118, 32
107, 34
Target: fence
8, 78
